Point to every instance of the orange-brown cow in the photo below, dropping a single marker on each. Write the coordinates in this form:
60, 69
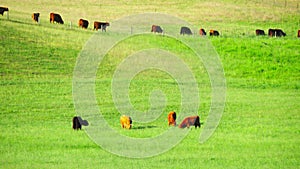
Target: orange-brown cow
126, 122
100, 25
35, 17
56, 18
172, 118
83, 23
202, 32
190, 121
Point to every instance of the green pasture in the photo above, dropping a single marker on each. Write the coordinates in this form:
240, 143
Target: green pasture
260, 124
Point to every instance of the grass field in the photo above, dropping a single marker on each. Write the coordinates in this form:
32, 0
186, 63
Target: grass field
260, 124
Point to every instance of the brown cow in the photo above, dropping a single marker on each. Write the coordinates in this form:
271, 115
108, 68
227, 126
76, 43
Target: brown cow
156, 29
100, 25
202, 32
83, 23
190, 121
299, 33
126, 122
172, 118
259, 32
213, 33
56, 18
78, 122
35, 17
2, 10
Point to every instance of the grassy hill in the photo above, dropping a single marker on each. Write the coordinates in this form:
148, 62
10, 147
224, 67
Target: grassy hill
259, 127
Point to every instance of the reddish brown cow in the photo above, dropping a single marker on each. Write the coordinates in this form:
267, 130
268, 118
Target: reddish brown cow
259, 32
156, 29
190, 121
299, 33
126, 122
35, 17
56, 18
100, 25
2, 10
83, 23
172, 118
202, 32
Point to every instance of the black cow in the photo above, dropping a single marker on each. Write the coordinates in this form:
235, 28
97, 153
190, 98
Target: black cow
276, 33
156, 29
78, 122
2, 10
83, 23
56, 18
35, 17
185, 30
259, 32
214, 33
202, 32
100, 25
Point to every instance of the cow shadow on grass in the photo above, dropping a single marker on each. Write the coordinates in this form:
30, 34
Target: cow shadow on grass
143, 127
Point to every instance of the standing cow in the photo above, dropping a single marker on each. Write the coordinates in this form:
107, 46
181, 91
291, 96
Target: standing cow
259, 32
78, 122
185, 30
214, 33
299, 33
100, 25
2, 10
83, 23
190, 121
35, 17
156, 29
126, 122
276, 33
202, 32
172, 118
56, 18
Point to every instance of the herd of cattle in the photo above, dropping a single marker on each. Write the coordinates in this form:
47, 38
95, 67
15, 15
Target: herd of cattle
54, 17
126, 121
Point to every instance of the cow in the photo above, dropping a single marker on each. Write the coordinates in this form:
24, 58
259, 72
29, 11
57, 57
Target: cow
2, 10
35, 17
78, 122
156, 29
56, 18
202, 32
259, 32
299, 33
190, 121
185, 30
213, 33
100, 25
276, 33
126, 122
83, 23
172, 118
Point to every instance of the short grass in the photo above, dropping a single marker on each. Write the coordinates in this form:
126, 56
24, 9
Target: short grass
259, 127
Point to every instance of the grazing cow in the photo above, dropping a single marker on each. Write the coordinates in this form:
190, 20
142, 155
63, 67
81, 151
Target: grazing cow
202, 32
56, 18
78, 122
172, 118
83, 23
2, 10
35, 17
213, 33
126, 122
156, 29
259, 32
299, 33
100, 25
185, 30
190, 121
276, 33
